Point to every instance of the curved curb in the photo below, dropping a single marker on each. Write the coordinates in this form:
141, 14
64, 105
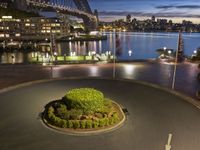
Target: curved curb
188, 99
74, 132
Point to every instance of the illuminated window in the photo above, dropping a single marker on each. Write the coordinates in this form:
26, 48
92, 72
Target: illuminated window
1, 35
17, 34
27, 24
7, 35
48, 24
7, 17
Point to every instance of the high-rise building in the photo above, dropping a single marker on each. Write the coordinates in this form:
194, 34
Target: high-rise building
128, 18
153, 18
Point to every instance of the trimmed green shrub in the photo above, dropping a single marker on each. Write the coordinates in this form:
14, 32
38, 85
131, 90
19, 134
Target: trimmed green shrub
86, 99
83, 124
62, 123
65, 123
106, 121
62, 111
95, 124
70, 123
88, 124
102, 122
67, 116
115, 117
51, 110
57, 121
111, 120
76, 124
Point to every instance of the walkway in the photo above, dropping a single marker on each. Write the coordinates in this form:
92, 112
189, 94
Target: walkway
156, 73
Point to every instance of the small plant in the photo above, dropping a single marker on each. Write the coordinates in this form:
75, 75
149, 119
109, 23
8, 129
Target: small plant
95, 124
70, 123
76, 124
61, 111
83, 124
88, 124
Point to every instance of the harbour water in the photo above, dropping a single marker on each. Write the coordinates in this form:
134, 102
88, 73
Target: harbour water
132, 46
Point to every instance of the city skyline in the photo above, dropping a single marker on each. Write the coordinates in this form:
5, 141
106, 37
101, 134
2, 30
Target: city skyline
177, 10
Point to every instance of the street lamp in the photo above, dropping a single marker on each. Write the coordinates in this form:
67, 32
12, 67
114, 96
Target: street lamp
169, 52
129, 52
55, 55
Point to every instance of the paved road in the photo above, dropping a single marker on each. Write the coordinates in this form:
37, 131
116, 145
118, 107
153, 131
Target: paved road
153, 72
153, 115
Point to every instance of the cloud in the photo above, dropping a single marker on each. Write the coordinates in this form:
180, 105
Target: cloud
164, 6
189, 6
178, 7
144, 14
119, 13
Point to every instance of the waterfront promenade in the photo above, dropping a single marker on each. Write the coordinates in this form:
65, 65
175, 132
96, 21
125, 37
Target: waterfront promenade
152, 72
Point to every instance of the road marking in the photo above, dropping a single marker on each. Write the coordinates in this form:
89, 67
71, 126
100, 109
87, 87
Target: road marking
168, 145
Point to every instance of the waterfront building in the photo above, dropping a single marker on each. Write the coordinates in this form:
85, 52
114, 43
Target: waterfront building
32, 27
43, 26
10, 27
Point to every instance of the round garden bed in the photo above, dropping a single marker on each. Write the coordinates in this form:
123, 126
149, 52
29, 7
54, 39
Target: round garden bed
83, 111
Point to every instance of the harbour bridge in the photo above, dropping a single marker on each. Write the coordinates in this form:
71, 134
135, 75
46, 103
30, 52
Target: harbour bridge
77, 8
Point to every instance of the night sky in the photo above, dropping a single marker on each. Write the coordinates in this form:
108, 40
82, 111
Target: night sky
175, 9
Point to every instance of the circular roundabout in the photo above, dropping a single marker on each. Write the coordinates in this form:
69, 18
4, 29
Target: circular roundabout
152, 115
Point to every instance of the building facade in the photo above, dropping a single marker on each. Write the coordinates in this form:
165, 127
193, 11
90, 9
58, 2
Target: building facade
32, 27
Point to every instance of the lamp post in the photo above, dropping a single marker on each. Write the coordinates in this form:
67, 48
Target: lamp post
175, 66
114, 55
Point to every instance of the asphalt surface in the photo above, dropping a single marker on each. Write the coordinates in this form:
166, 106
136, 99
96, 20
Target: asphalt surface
153, 114
152, 72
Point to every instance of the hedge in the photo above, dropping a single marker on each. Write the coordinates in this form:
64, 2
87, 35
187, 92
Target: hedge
83, 124
86, 99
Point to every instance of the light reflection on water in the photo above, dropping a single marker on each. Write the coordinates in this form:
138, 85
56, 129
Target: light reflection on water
142, 45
